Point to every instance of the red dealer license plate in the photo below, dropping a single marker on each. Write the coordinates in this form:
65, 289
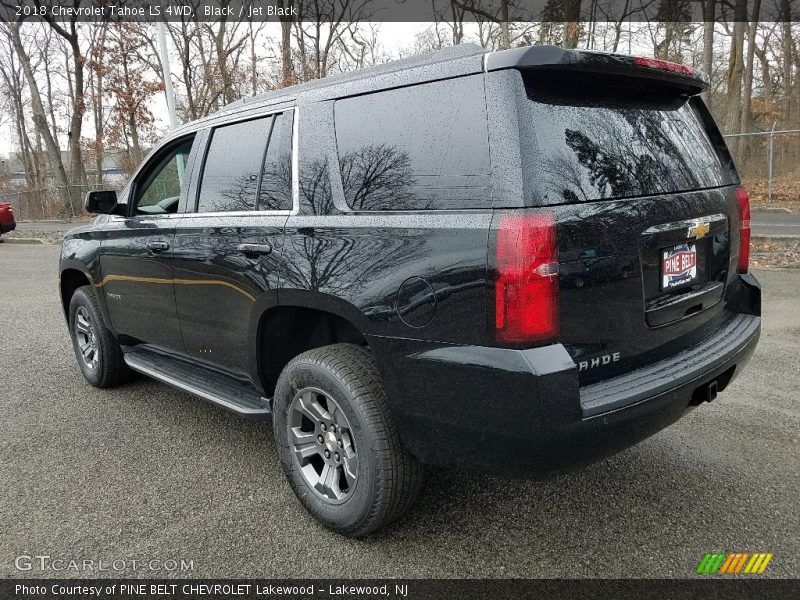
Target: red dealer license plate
678, 265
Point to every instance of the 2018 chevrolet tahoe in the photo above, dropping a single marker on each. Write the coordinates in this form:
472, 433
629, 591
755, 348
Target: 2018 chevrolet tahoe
517, 261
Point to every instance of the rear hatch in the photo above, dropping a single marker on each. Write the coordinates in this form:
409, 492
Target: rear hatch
644, 197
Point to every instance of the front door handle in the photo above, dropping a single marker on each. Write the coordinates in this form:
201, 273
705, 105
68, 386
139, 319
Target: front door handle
255, 248
157, 245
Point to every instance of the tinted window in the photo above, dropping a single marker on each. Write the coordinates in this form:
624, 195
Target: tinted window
160, 190
597, 141
276, 180
422, 147
233, 165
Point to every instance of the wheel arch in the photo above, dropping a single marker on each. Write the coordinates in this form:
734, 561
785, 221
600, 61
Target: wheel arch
74, 275
286, 330
70, 280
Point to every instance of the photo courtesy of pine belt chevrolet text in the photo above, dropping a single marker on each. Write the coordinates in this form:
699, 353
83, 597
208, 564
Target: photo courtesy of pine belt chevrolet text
514, 262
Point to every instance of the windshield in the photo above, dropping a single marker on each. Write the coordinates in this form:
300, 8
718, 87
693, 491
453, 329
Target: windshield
596, 141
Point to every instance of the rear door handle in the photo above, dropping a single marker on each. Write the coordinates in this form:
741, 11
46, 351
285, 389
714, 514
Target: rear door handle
255, 248
158, 245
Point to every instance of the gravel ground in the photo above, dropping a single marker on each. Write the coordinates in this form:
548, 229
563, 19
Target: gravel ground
145, 471
775, 254
47, 237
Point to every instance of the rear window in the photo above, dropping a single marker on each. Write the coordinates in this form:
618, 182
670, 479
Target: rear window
595, 141
422, 147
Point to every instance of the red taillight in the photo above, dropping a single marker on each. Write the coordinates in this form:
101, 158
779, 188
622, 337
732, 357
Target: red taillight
664, 65
526, 290
743, 201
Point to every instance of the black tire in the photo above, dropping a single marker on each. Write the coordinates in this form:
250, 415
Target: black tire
388, 479
108, 367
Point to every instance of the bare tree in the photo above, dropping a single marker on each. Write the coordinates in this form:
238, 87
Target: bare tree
252, 35
287, 68
97, 70
500, 16
39, 116
788, 48
69, 32
572, 30
736, 70
12, 89
709, 16
744, 124
319, 40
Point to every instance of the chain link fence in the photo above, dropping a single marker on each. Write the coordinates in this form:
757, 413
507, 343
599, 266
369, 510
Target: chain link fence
50, 203
768, 162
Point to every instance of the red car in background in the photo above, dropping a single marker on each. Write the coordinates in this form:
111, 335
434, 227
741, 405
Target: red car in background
7, 222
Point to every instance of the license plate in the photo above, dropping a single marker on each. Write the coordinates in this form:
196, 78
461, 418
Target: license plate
678, 265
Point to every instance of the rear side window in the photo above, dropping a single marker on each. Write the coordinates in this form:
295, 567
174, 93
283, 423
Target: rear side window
232, 166
602, 141
248, 166
416, 148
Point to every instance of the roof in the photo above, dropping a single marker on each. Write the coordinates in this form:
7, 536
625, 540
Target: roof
455, 61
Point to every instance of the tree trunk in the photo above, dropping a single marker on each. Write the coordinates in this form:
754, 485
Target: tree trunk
572, 26
286, 50
40, 120
744, 124
228, 94
709, 12
77, 172
766, 74
458, 23
96, 77
786, 108
130, 114
505, 33
735, 72
253, 61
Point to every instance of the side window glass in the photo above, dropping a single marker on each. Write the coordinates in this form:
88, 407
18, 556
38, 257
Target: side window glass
160, 190
232, 166
416, 148
276, 180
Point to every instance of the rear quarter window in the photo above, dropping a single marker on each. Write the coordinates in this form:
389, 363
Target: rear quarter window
423, 147
596, 141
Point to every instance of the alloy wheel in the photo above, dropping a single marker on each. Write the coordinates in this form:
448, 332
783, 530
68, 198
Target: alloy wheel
86, 338
322, 444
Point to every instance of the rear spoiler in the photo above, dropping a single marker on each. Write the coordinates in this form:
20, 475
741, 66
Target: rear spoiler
553, 58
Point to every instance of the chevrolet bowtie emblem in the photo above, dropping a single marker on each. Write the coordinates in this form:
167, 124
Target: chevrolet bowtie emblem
698, 230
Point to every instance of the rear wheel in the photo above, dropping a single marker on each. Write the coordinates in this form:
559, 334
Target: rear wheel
337, 443
99, 354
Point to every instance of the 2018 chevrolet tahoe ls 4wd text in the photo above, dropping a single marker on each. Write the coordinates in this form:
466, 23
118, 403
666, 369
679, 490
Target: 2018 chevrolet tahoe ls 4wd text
518, 261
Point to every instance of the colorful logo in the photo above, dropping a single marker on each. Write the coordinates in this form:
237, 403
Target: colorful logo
733, 563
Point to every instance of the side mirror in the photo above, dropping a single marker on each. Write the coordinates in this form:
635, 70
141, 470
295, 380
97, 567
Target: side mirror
100, 202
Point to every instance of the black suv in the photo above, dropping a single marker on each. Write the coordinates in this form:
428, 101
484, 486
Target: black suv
517, 261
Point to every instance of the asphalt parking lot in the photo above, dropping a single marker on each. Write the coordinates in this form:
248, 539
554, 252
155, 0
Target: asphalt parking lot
145, 471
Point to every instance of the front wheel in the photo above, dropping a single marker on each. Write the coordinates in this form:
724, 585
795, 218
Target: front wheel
99, 354
337, 443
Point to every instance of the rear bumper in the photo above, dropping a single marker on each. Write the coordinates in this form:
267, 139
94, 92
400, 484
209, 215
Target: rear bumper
523, 412
6, 227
